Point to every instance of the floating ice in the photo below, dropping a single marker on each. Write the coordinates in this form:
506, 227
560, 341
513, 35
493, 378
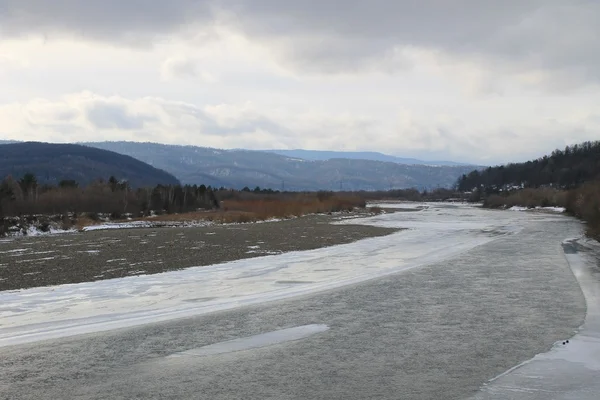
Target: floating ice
569, 370
436, 233
256, 341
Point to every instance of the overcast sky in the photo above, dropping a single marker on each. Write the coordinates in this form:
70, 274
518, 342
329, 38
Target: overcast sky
467, 80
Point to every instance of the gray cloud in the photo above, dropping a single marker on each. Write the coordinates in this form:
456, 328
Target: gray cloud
327, 36
114, 116
117, 21
211, 125
245, 126
179, 68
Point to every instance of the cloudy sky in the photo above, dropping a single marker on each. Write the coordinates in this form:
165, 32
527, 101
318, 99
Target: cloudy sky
469, 80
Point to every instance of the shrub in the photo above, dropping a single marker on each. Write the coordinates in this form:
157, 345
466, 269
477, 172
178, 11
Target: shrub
584, 203
93, 216
376, 210
3, 228
530, 198
45, 226
67, 223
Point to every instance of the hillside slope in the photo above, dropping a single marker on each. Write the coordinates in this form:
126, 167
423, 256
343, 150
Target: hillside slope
567, 168
239, 168
322, 155
52, 163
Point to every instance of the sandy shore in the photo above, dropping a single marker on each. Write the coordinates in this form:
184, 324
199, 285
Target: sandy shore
96, 255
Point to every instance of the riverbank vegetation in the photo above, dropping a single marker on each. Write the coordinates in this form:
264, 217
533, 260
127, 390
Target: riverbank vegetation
567, 178
25, 204
27, 207
582, 202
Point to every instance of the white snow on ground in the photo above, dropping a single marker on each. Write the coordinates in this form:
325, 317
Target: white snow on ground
518, 208
570, 370
551, 209
161, 224
435, 234
144, 224
14, 251
402, 205
34, 231
266, 221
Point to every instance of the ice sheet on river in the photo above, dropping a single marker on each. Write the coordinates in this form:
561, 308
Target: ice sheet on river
571, 368
433, 233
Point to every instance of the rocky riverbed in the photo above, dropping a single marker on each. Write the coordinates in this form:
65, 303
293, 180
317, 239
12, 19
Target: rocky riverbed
104, 254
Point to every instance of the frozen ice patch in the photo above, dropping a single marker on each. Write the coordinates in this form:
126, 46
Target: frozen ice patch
67, 310
570, 369
256, 341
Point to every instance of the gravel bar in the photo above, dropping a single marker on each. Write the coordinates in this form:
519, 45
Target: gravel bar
105, 254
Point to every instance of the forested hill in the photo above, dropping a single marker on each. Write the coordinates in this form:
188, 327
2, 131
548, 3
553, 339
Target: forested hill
565, 169
52, 163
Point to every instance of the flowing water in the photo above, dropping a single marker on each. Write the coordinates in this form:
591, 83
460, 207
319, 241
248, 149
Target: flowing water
432, 312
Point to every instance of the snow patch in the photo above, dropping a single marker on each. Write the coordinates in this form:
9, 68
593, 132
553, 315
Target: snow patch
549, 209
553, 209
14, 251
518, 208
146, 224
35, 260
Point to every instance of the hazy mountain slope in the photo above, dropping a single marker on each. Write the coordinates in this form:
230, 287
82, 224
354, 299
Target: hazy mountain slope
52, 163
321, 155
239, 168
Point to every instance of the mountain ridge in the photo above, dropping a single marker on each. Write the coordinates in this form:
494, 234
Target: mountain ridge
53, 162
240, 168
322, 155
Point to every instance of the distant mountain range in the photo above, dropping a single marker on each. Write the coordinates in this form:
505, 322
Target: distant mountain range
322, 155
268, 169
52, 163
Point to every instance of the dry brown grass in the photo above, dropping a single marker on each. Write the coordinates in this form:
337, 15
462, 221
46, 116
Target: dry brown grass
584, 203
180, 217
259, 209
530, 198
83, 221
263, 209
